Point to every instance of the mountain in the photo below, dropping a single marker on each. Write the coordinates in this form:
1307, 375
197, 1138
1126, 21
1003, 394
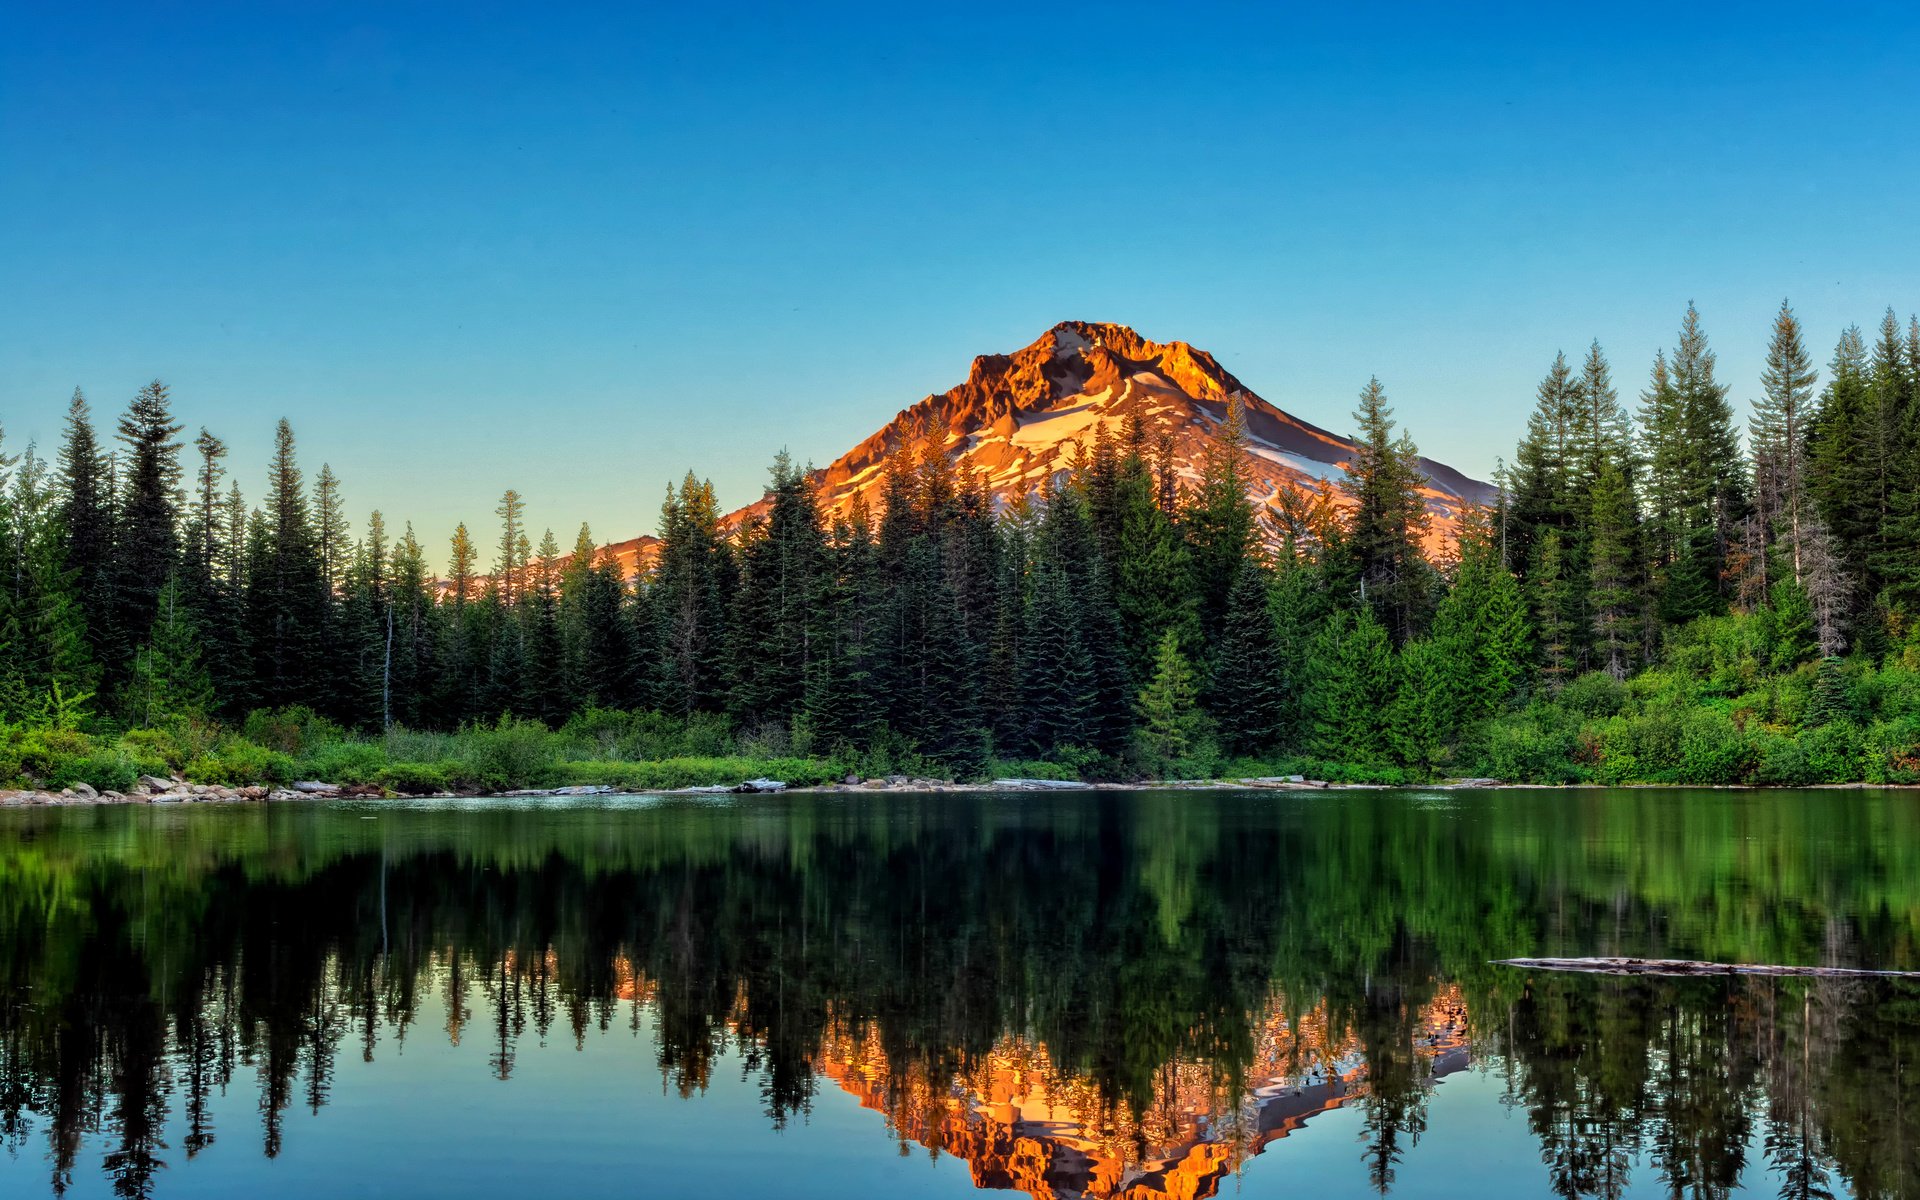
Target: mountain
1018, 417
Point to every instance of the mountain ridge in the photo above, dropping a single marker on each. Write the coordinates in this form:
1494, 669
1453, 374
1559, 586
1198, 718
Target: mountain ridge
1018, 417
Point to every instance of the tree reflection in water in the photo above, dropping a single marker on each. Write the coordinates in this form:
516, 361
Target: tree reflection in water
1118, 995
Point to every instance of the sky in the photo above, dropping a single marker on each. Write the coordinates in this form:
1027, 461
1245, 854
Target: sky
578, 250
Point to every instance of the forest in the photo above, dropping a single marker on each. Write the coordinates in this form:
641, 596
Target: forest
1655, 598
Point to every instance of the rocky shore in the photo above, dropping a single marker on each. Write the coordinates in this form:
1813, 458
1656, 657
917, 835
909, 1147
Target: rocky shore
152, 789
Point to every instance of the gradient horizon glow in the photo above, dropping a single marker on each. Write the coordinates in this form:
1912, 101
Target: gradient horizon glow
471, 247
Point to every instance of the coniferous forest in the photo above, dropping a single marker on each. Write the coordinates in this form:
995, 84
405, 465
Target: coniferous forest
1660, 595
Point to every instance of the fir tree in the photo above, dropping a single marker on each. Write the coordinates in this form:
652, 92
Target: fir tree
1247, 677
507, 568
1612, 586
88, 517
1389, 519
1352, 687
1170, 719
287, 592
1779, 436
1218, 520
169, 679
146, 541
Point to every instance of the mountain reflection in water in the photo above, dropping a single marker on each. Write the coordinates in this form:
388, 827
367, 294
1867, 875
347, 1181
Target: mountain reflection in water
1124, 995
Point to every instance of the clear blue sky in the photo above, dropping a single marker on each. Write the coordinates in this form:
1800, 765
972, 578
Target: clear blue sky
577, 250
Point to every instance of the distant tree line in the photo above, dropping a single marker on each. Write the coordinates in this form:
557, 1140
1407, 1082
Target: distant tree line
1121, 619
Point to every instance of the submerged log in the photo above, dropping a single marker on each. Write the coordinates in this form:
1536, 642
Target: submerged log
1682, 966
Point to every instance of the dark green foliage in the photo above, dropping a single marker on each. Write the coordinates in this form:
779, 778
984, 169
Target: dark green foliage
146, 540
1245, 688
1641, 609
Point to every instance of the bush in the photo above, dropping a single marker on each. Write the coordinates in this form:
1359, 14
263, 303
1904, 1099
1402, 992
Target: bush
113, 769
1713, 751
417, 779
37, 751
513, 753
292, 730
344, 762
1595, 694
1527, 747
673, 773
237, 762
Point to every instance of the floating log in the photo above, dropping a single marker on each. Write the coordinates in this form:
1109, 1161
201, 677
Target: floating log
1688, 967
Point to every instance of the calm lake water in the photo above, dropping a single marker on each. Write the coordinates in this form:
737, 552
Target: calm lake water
1142, 994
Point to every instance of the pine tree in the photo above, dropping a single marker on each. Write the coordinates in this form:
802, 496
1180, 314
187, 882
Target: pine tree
690, 589
331, 528
1389, 519
1244, 691
1150, 572
146, 542
1353, 678
1779, 437
287, 591
508, 567
1603, 436
1551, 609
169, 677
1546, 465
1058, 685
1171, 723
1218, 520
1613, 587
776, 628
1475, 659
88, 517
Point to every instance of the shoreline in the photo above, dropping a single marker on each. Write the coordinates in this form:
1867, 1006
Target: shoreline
153, 790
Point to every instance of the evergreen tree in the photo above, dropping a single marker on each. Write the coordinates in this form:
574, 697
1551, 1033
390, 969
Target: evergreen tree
287, 592
1150, 572
1779, 436
331, 530
1546, 465
1218, 520
1389, 520
1475, 659
1613, 588
169, 679
1171, 723
1058, 687
508, 567
1352, 687
146, 541
88, 517
690, 591
1245, 686
776, 624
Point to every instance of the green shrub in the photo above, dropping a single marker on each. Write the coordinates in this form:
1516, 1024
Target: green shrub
1031, 768
237, 762
348, 762
291, 730
1529, 747
1595, 694
35, 754
1783, 762
1713, 750
512, 753
112, 769
417, 779
670, 773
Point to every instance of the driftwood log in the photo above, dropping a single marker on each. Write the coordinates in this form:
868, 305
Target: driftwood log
1684, 967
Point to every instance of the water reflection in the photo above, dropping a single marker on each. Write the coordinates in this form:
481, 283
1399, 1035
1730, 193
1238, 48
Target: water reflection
1102, 996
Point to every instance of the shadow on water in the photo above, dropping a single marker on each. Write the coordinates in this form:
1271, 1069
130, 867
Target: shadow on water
1129, 993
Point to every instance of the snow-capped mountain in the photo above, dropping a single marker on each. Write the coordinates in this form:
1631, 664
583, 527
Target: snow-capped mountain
1018, 417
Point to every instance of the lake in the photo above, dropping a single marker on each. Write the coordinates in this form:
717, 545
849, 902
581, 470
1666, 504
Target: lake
1125, 994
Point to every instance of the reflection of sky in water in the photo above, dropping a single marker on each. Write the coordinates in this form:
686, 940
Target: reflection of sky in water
1148, 927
